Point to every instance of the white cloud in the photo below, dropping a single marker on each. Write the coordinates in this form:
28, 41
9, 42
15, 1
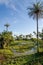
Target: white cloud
8, 3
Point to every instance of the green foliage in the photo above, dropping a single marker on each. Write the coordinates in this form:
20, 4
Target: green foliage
23, 60
6, 39
6, 51
8, 42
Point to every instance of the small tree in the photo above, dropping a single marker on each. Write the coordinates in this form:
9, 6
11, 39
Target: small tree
7, 25
6, 39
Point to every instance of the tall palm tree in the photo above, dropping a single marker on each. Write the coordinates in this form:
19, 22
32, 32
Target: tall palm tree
6, 25
36, 11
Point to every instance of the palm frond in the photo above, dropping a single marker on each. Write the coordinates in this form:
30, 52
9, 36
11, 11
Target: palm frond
36, 8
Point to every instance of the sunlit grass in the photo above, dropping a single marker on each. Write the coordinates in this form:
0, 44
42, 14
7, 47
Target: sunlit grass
5, 51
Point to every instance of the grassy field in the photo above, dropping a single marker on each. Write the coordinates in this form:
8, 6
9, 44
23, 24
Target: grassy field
23, 60
20, 46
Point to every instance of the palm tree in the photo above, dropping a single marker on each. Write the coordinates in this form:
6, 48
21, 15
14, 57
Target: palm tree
7, 25
36, 11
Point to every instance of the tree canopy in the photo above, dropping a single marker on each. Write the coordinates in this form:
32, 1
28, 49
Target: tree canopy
6, 38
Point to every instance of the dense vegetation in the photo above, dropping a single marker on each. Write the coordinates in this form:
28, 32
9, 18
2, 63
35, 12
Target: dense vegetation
14, 50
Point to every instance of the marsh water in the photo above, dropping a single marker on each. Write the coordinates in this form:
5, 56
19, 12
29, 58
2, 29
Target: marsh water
28, 52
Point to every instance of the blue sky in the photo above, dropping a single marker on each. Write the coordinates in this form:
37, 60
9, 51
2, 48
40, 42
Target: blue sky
15, 13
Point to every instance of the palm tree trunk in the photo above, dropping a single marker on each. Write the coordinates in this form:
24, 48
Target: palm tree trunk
37, 41
37, 36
